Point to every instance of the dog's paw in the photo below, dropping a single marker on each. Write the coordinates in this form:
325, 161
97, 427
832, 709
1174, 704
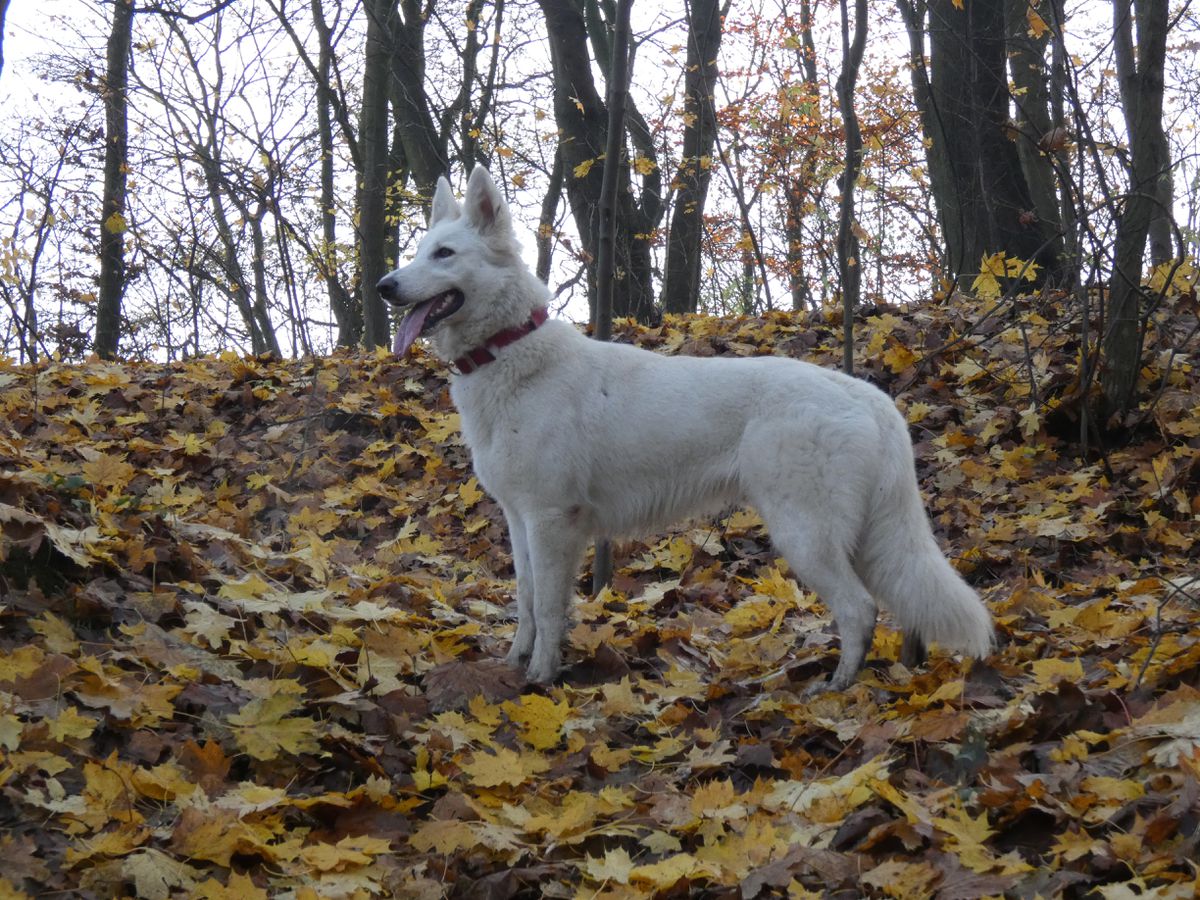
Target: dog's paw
516, 658
542, 671
823, 686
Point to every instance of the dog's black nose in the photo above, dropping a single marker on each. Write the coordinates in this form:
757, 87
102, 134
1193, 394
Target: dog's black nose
388, 289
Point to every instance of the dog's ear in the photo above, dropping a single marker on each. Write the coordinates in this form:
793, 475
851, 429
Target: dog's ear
486, 209
444, 204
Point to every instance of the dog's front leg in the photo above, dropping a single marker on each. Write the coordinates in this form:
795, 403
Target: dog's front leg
522, 645
556, 548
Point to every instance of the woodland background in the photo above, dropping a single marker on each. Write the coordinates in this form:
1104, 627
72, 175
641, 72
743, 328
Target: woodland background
252, 602
185, 177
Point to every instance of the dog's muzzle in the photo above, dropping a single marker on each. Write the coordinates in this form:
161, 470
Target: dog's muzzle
389, 289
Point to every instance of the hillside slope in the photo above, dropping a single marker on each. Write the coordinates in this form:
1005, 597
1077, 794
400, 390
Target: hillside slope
252, 614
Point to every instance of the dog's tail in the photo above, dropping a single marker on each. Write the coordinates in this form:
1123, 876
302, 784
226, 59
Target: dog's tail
904, 569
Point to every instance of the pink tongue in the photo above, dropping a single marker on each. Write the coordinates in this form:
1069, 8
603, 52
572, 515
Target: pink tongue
410, 328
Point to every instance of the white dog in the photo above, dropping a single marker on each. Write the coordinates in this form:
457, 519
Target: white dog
577, 439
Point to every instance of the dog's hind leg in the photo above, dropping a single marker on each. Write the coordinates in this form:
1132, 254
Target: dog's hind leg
556, 548
522, 645
824, 567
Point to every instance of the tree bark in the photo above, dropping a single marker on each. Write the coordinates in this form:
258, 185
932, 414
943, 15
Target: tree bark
1161, 233
422, 140
681, 287
984, 201
373, 179
1033, 127
583, 122
618, 89
1142, 96
849, 263
803, 186
549, 214
113, 222
346, 312
3, 12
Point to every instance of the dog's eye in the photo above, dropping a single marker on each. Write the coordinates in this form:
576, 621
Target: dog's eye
443, 253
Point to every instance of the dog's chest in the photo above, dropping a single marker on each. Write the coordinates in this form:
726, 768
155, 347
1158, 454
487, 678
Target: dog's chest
491, 432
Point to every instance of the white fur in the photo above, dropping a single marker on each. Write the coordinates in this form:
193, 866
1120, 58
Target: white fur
578, 439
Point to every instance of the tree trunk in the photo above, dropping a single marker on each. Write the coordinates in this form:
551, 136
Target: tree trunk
984, 200
802, 186
849, 261
583, 122
681, 287
1056, 143
1161, 233
549, 214
618, 89
113, 223
1142, 97
420, 137
3, 11
346, 312
1033, 128
373, 179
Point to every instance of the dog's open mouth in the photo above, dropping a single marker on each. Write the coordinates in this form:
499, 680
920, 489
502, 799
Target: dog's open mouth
425, 316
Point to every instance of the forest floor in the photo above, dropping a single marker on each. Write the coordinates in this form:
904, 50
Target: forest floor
252, 615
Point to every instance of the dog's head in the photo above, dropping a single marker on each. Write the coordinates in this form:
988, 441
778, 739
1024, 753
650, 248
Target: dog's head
467, 279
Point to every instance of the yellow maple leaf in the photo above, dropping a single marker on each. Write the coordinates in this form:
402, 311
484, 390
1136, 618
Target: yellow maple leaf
1019, 268
667, 872
583, 168
1037, 25
898, 358
503, 766
115, 224
443, 835
425, 776
109, 471
574, 814
771, 582
10, 731
917, 412
1174, 277
986, 285
1031, 421
829, 799
1049, 672
240, 887
615, 866
643, 165
448, 835
1072, 845
21, 663
897, 878
755, 614
963, 828
264, 730
470, 492
349, 852
610, 759
70, 724
717, 799
249, 588
541, 719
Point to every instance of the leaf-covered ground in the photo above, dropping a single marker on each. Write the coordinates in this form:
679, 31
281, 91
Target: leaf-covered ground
252, 614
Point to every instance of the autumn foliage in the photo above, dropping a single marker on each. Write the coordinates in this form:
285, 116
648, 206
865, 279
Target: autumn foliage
253, 612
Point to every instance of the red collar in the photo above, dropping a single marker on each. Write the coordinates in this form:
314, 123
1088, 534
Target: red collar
481, 355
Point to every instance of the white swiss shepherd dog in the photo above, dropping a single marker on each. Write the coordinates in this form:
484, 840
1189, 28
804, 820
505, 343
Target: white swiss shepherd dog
578, 439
